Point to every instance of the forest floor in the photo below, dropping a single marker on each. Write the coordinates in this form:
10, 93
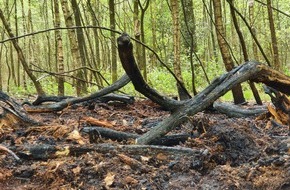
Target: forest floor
229, 153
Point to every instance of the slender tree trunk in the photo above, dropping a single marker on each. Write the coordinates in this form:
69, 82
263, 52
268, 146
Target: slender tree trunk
80, 86
214, 48
137, 33
80, 35
143, 52
1, 64
227, 59
273, 36
176, 44
59, 50
113, 40
189, 33
244, 50
154, 38
25, 65
251, 19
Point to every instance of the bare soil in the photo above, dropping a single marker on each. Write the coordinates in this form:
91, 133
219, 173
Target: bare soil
231, 153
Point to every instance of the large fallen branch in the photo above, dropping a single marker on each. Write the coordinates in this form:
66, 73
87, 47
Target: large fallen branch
249, 70
253, 71
45, 151
100, 132
125, 48
68, 102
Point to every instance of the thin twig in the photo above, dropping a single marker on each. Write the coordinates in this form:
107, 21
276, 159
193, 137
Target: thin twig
10, 152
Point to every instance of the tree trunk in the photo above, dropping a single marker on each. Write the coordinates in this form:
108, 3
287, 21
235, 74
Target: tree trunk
189, 33
251, 20
137, 33
273, 36
244, 49
80, 36
153, 59
21, 57
80, 87
143, 52
176, 44
113, 40
249, 71
237, 90
59, 50
97, 60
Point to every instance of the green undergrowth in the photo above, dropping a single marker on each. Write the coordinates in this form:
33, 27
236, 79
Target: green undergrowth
160, 80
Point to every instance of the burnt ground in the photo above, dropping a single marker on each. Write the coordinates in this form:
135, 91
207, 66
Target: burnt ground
229, 153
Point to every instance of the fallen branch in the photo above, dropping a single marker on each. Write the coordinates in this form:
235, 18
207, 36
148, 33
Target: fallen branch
44, 151
125, 48
68, 102
100, 132
232, 110
249, 70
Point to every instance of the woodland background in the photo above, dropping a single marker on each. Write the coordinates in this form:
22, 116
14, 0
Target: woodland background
60, 58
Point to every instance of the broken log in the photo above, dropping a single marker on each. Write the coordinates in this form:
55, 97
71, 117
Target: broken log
281, 112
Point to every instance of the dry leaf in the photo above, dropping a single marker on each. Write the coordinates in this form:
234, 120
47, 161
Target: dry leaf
76, 170
75, 136
109, 179
131, 180
95, 121
145, 159
161, 157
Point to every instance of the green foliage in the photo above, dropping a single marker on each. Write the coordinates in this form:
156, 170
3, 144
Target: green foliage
40, 49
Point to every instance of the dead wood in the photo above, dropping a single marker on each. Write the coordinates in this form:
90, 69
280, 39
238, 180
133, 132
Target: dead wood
217, 88
97, 133
232, 110
3, 148
106, 98
252, 71
125, 48
281, 111
71, 101
272, 78
45, 151
13, 114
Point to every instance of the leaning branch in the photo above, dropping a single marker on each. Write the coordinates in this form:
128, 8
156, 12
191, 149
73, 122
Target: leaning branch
251, 70
125, 48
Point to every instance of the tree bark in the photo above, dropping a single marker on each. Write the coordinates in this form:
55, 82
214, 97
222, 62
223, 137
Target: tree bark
189, 31
143, 59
